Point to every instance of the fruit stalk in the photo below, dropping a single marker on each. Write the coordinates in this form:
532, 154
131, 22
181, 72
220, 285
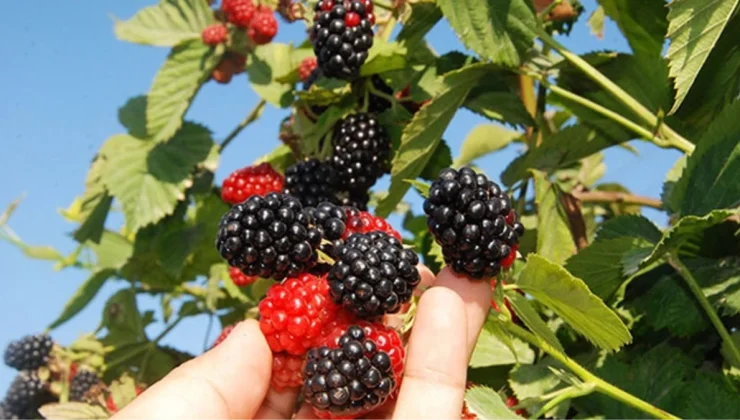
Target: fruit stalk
253, 116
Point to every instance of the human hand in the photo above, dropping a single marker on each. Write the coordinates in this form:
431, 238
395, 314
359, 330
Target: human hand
232, 380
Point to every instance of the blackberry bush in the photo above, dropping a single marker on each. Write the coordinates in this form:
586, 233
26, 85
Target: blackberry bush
373, 274
269, 237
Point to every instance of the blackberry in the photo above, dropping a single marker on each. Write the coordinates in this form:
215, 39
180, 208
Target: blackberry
29, 353
6, 414
357, 199
378, 104
24, 394
350, 380
467, 214
81, 384
312, 182
329, 219
342, 34
373, 274
361, 151
269, 237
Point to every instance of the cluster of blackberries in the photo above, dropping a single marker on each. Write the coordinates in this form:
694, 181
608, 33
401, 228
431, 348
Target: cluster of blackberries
342, 34
361, 152
27, 392
471, 218
83, 381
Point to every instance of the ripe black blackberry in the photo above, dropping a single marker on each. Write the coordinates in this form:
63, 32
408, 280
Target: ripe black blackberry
329, 219
81, 384
357, 199
6, 414
361, 151
351, 380
373, 274
342, 34
378, 104
28, 353
467, 216
24, 394
269, 237
312, 182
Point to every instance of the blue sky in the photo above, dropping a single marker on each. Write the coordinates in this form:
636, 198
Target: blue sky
64, 77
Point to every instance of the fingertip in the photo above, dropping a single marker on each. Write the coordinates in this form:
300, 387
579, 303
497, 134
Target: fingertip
476, 295
427, 279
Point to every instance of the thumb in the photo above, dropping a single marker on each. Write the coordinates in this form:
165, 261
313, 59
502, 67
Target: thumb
229, 381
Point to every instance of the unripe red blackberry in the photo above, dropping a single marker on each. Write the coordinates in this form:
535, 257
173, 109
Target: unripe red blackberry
263, 27
467, 216
373, 274
240, 279
28, 353
287, 371
364, 222
342, 34
312, 182
225, 332
239, 12
307, 67
269, 236
361, 151
81, 384
214, 34
350, 380
251, 180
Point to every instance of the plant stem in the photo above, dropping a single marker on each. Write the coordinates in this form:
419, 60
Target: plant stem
588, 377
670, 137
684, 272
568, 393
617, 197
167, 330
253, 116
383, 4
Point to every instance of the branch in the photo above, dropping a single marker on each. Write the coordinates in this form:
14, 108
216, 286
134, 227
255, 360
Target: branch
253, 116
572, 208
617, 197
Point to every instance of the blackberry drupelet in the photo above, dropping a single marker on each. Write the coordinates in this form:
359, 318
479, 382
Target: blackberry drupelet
329, 219
373, 274
350, 380
24, 394
467, 214
312, 182
342, 34
82, 382
361, 151
269, 237
29, 352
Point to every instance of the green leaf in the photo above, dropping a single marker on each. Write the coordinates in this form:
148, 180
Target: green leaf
495, 347
266, 65
485, 403
482, 140
524, 310
84, 295
149, 178
713, 168
441, 159
280, 158
656, 376
123, 391
495, 30
422, 135
132, 115
112, 251
557, 245
383, 57
694, 28
421, 186
687, 229
122, 319
424, 16
630, 226
671, 179
73, 411
187, 67
644, 24
711, 396
596, 22
93, 226
570, 298
560, 150
167, 24
502, 106
600, 264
